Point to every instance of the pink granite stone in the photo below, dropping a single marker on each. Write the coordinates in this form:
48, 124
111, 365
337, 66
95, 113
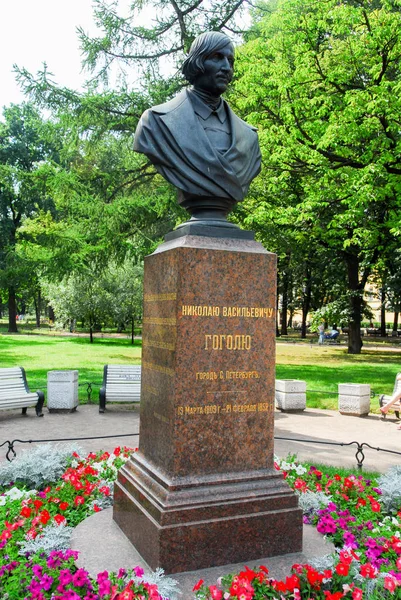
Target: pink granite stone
202, 490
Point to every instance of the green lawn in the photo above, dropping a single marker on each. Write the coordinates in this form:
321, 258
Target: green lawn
39, 354
323, 368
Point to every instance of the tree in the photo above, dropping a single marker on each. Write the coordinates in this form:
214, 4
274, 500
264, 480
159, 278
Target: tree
102, 121
321, 82
98, 296
25, 147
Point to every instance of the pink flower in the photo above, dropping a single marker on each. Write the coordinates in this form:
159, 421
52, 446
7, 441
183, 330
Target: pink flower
138, 571
390, 584
215, 593
65, 577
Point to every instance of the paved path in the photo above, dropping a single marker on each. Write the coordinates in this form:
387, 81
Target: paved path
312, 424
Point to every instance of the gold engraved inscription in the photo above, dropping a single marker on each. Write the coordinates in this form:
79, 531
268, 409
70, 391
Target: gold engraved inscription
159, 368
228, 342
226, 409
251, 312
158, 344
159, 321
159, 297
214, 375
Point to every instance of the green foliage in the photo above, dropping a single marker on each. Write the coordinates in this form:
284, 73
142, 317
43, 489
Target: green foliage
98, 296
321, 83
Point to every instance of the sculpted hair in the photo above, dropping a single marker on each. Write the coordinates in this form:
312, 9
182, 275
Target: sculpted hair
202, 46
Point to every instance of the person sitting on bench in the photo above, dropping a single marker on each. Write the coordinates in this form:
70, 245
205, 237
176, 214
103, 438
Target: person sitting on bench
394, 398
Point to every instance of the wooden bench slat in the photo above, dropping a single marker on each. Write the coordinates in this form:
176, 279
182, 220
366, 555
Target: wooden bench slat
121, 383
14, 392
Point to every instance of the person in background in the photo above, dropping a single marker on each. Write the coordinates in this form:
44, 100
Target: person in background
321, 333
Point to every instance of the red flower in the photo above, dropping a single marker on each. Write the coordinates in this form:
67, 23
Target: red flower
342, 569
248, 574
44, 516
96, 508
59, 519
63, 505
79, 500
117, 451
361, 502
335, 596
105, 490
37, 504
5, 535
198, 585
357, 594
314, 578
368, 571
346, 557
292, 583
375, 506
25, 511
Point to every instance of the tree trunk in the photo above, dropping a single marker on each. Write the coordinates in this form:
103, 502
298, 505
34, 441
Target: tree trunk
383, 312
51, 314
306, 302
12, 311
355, 303
395, 322
37, 302
91, 329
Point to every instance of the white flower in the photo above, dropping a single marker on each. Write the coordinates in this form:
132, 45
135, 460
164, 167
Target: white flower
98, 466
74, 464
285, 466
2, 500
15, 493
300, 470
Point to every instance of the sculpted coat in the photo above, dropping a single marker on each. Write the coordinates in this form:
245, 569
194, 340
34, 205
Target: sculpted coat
175, 142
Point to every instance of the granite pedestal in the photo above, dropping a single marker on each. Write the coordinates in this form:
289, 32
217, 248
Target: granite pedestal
202, 490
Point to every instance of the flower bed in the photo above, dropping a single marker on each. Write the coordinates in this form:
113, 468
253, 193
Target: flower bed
361, 517
53, 490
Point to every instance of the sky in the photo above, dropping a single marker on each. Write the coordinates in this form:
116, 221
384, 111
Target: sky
37, 31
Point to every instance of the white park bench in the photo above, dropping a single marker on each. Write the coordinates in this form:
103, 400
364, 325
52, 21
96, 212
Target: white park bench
383, 399
121, 383
14, 391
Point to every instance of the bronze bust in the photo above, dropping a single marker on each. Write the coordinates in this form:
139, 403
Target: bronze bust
196, 141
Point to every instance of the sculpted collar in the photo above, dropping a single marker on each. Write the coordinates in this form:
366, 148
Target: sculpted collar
204, 110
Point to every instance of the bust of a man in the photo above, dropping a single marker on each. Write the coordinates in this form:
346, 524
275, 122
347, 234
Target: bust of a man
196, 141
